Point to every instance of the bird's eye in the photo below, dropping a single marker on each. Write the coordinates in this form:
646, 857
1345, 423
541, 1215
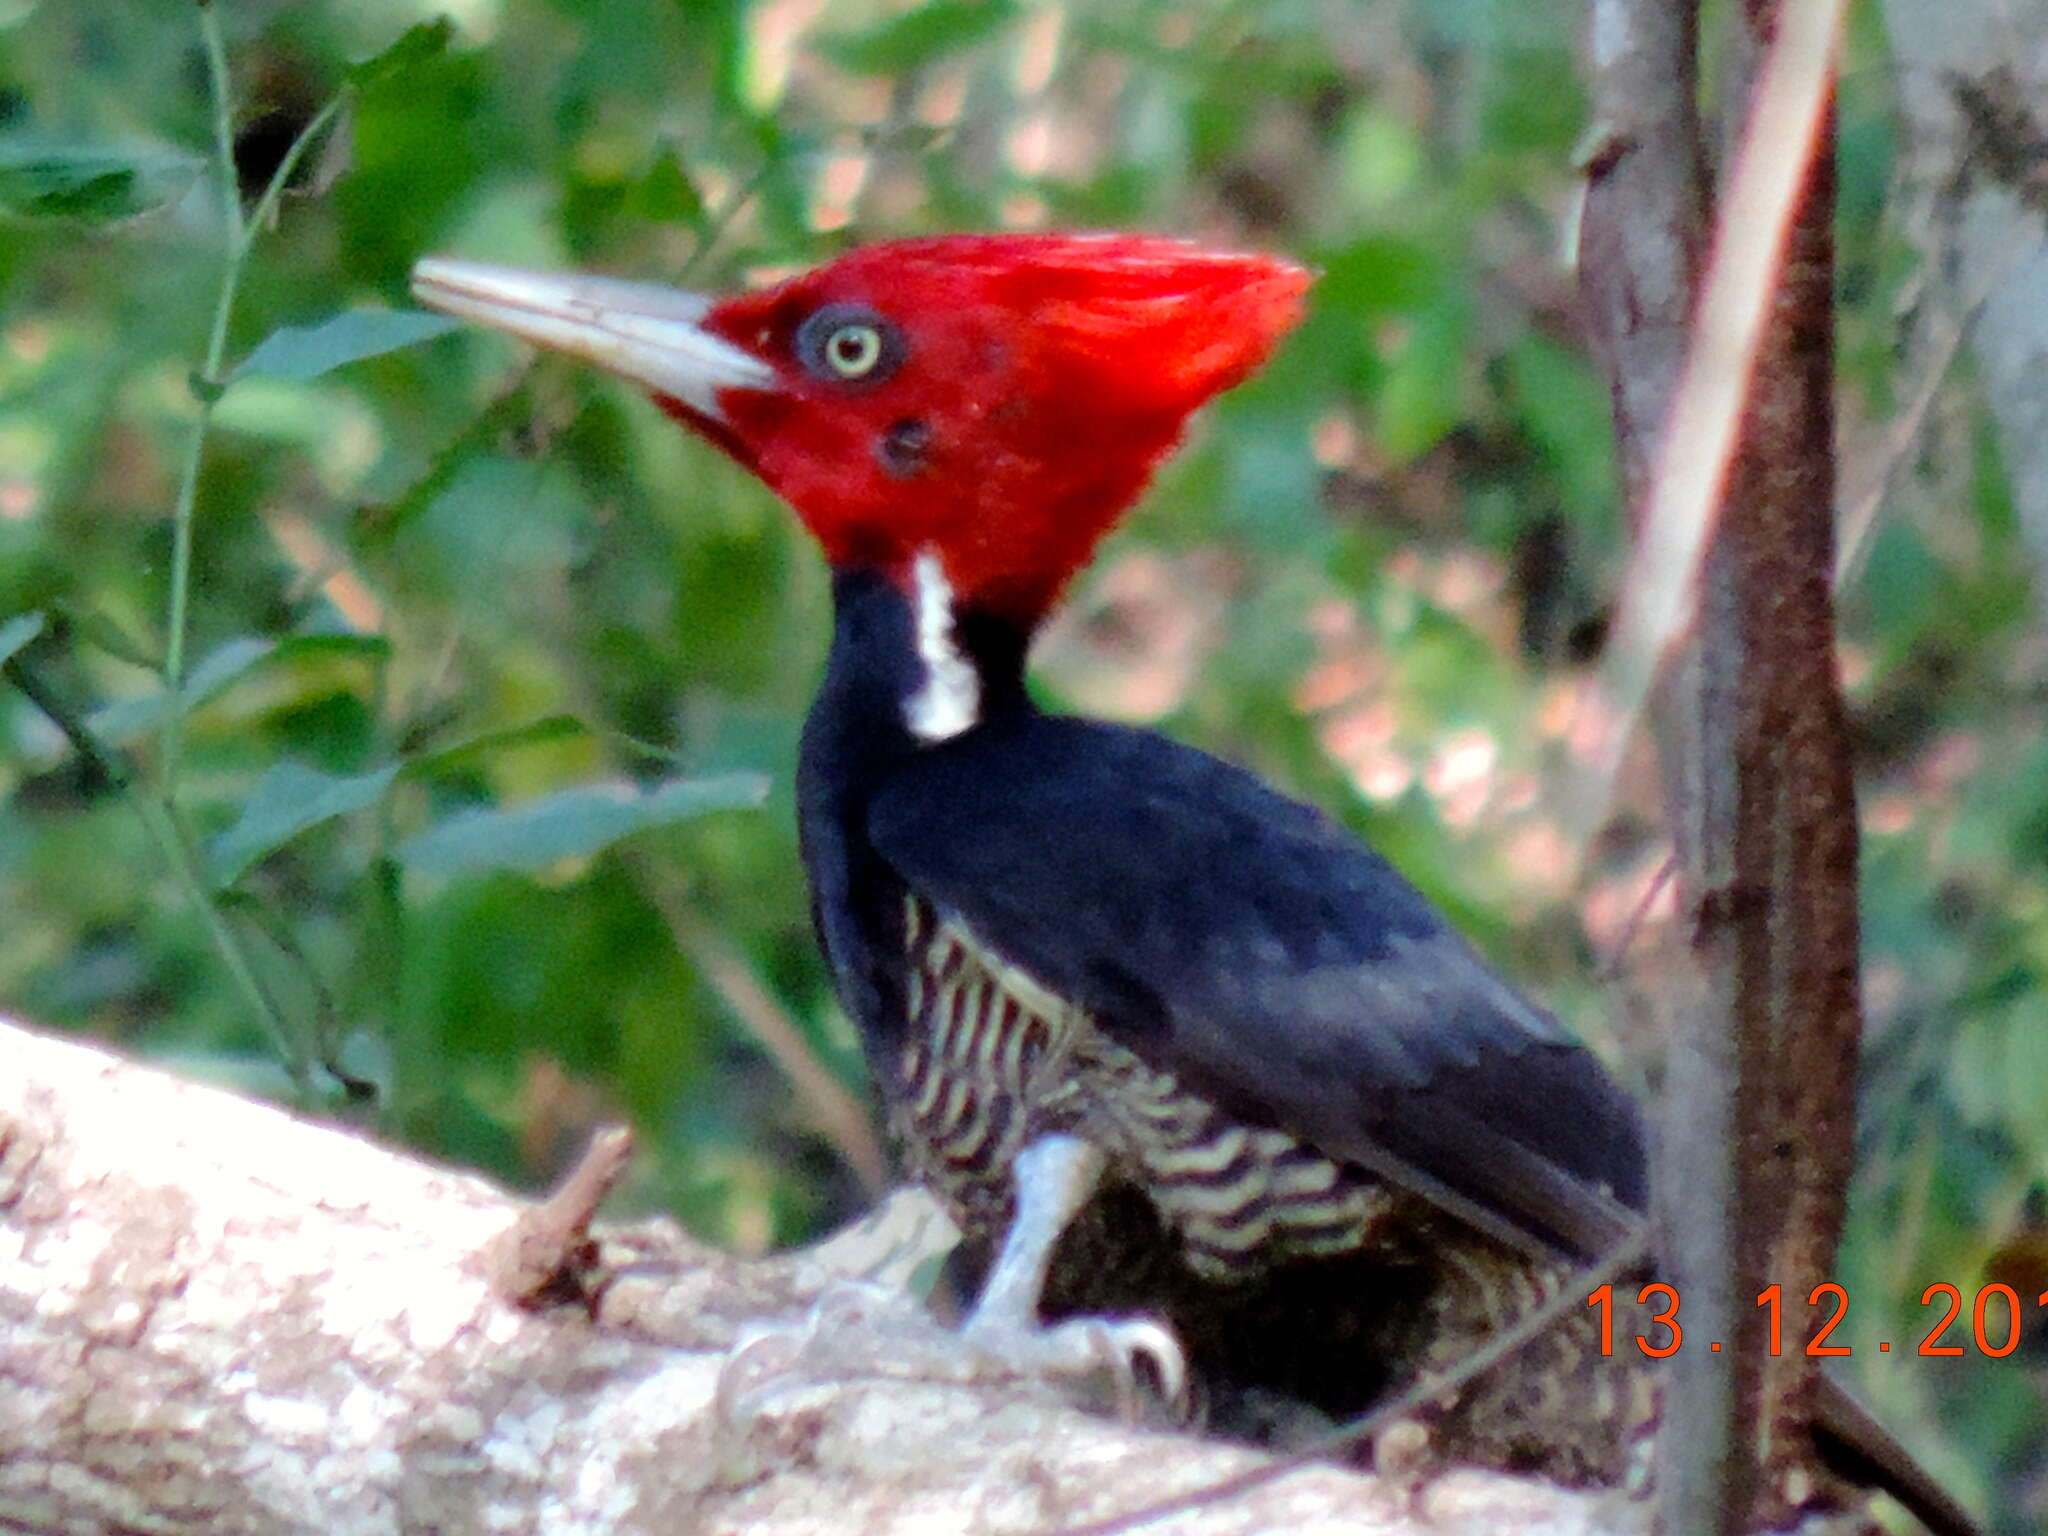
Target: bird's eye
853, 350
849, 344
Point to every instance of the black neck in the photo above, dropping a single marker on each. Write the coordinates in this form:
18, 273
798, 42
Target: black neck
855, 736
858, 723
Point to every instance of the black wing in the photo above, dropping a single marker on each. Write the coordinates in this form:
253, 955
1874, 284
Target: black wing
1272, 962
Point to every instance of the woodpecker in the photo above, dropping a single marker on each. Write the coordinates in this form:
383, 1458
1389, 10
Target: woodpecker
1168, 1044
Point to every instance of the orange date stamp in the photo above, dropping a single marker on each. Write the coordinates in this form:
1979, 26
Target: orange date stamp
1994, 1320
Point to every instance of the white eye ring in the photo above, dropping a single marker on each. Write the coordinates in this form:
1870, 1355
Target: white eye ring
853, 351
848, 345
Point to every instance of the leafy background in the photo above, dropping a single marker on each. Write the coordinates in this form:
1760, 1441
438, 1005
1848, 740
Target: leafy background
471, 809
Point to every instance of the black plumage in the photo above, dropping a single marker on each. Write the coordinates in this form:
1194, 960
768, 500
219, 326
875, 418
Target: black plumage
1342, 1151
1340, 1147
1278, 967
1167, 1041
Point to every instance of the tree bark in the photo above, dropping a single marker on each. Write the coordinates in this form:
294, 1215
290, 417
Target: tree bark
215, 1317
1756, 1131
1766, 838
1644, 223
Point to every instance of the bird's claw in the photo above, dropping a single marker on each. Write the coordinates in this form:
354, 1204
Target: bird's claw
857, 1328
760, 1356
1405, 1459
1135, 1354
766, 1356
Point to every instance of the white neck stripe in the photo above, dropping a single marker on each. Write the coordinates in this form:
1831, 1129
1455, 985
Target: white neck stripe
950, 699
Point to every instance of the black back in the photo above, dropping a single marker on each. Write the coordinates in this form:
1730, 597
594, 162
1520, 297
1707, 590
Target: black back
1225, 933
1270, 960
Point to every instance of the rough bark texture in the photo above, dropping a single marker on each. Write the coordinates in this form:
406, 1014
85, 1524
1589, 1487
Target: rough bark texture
217, 1318
1757, 1119
1767, 845
1645, 215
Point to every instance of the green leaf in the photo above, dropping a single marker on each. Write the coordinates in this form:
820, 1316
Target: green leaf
1423, 394
321, 645
571, 823
291, 798
222, 668
425, 40
92, 183
1379, 275
18, 632
666, 194
531, 734
304, 352
1562, 404
99, 630
129, 718
491, 526
917, 37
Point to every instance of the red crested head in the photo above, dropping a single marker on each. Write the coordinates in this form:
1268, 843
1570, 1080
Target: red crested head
995, 400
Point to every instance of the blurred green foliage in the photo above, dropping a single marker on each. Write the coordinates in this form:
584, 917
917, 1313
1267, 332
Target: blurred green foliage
480, 762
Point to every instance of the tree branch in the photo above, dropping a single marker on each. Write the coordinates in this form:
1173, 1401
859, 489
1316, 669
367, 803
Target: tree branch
215, 1317
1756, 1145
1644, 222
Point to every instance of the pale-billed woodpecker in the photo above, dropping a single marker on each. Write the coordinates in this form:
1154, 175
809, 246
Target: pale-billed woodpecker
1173, 1045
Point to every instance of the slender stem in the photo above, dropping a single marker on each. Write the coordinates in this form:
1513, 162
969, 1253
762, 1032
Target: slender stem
159, 810
840, 1117
239, 235
387, 908
266, 205
221, 85
175, 842
207, 384
175, 838
720, 222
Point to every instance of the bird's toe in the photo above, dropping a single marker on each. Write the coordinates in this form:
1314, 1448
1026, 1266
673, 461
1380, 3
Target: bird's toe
1137, 1360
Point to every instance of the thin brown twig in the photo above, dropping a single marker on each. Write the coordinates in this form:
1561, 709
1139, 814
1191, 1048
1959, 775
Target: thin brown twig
1856, 518
1698, 442
1755, 1142
547, 1256
1609, 967
838, 1116
1572, 1294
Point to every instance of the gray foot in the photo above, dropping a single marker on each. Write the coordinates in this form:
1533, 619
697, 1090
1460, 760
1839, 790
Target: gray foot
859, 1330
1136, 1356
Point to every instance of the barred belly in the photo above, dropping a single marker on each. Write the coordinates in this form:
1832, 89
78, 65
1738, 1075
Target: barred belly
995, 1059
